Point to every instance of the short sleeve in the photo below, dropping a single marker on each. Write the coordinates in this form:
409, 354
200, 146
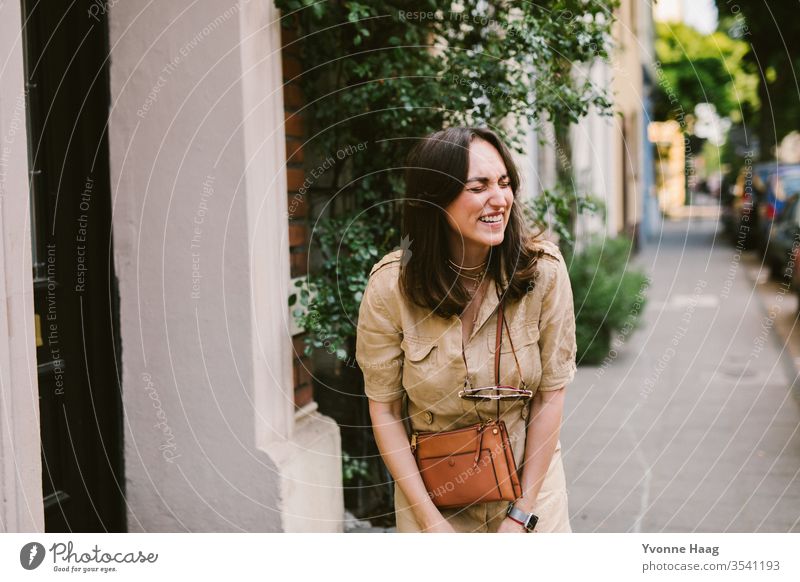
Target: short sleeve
557, 343
378, 350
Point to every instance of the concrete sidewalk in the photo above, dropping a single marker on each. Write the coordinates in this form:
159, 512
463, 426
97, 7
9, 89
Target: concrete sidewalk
692, 425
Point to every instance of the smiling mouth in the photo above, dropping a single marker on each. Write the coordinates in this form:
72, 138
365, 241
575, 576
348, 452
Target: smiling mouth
492, 218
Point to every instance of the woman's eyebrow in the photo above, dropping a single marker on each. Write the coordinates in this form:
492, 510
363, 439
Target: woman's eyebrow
484, 179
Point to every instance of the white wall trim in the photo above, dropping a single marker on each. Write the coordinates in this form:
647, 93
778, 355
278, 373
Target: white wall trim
305, 445
267, 211
21, 508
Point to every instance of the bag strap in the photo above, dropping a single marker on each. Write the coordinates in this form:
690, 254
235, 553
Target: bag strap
404, 413
501, 322
498, 342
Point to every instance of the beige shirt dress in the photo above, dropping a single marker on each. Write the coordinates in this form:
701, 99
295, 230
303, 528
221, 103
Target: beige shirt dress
403, 348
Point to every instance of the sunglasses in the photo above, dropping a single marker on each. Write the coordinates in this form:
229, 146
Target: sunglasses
495, 393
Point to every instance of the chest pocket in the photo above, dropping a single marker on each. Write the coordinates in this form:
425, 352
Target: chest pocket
526, 345
521, 335
421, 362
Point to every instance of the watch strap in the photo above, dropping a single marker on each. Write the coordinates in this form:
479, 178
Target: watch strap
528, 520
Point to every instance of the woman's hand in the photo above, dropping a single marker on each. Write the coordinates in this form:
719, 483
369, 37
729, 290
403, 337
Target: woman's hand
508, 525
439, 526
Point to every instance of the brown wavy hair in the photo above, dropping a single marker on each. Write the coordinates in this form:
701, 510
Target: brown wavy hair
435, 174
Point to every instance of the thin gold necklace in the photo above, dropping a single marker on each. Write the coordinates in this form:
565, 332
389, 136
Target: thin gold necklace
455, 265
472, 273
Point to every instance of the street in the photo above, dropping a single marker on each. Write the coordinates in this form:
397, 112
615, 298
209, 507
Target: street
691, 424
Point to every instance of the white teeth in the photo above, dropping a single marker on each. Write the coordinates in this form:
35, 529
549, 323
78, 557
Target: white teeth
491, 219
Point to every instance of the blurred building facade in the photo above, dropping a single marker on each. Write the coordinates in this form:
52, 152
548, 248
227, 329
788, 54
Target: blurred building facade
668, 138
611, 158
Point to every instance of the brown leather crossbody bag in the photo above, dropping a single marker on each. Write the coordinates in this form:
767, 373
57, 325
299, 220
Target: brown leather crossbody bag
474, 464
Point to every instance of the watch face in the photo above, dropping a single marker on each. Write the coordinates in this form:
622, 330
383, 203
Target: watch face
531, 523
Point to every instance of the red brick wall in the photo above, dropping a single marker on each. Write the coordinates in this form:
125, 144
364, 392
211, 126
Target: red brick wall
293, 100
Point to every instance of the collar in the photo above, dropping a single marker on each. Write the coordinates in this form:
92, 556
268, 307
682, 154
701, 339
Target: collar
489, 305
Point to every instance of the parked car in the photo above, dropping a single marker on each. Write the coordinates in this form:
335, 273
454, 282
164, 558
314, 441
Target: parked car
784, 241
794, 282
727, 217
781, 185
748, 193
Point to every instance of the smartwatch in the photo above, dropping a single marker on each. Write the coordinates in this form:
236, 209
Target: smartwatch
525, 519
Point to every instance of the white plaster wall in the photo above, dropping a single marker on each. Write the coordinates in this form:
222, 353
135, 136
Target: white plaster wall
546, 157
526, 163
595, 139
197, 152
311, 474
188, 379
21, 507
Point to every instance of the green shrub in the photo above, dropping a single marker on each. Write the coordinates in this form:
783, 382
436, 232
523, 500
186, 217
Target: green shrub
382, 74
609, 297
352, 468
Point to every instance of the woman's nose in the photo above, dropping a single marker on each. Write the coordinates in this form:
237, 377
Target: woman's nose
497, 197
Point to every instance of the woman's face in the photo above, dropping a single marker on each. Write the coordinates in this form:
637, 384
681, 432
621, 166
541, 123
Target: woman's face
479, 214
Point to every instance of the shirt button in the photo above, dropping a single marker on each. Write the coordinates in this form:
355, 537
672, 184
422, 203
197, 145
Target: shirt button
428, 417
524, 412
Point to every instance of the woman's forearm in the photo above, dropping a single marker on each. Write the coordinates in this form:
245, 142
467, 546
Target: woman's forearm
392, 441
540, 443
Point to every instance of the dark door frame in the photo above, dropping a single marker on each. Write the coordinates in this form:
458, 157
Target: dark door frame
75, 288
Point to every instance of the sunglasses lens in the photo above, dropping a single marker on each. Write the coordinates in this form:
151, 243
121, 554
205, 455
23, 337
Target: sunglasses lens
496, 393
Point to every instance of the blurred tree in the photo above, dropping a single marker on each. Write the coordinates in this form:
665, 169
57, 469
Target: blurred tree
772, 33
699, 68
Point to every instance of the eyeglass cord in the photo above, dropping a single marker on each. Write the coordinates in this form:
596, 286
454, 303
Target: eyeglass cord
501, 323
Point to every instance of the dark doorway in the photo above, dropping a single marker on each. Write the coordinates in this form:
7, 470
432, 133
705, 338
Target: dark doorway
66, 45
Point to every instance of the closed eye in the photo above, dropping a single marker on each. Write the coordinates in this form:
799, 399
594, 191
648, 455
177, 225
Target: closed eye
478, 189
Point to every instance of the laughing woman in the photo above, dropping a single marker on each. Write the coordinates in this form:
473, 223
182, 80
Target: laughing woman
427, 326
